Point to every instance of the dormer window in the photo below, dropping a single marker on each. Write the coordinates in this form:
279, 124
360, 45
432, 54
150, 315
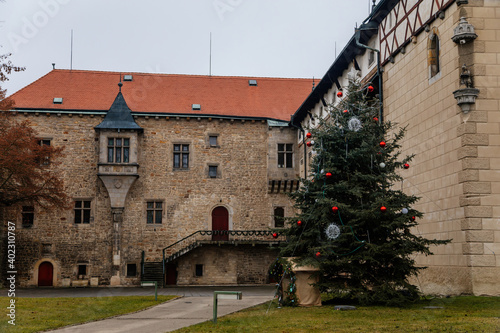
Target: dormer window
118, 150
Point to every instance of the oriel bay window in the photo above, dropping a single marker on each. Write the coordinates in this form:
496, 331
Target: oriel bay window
118, 150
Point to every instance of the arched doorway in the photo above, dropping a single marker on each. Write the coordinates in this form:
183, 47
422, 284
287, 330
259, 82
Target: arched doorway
45, 274
220, 222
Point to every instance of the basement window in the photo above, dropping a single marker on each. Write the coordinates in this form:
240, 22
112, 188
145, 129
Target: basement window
131, 270
82, 270
199, 270
196, 107
58, 100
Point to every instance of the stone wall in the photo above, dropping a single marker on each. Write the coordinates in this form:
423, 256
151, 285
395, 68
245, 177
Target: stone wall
454, 171
188, 196
243, 264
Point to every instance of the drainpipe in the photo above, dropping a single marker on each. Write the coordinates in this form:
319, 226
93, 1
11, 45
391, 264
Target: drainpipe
357, 35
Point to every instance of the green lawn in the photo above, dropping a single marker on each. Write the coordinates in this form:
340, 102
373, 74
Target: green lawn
458, 314
37, 314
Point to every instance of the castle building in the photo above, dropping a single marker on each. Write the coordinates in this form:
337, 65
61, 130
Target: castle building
435, 66
173, 178
182, 178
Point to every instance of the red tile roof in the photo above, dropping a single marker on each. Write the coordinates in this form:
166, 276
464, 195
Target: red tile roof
273, 98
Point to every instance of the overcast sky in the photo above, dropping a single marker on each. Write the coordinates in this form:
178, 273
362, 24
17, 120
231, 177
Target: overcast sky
273, 38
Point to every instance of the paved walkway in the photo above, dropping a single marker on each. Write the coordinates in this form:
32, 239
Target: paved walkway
195, 306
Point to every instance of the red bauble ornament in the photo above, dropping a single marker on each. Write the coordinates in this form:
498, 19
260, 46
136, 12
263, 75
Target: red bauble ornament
370, 89
335, 209
299, 223
406, 166
309, 144
339, 94
413, 218
275, 235
383, 209
346, 111
318, 254
382, 144
375, 118
328, 174
308, 135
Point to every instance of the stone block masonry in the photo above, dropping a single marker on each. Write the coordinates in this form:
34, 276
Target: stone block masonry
82, 254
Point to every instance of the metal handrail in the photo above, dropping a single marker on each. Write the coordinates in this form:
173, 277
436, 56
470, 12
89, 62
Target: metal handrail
142, 263
218, 232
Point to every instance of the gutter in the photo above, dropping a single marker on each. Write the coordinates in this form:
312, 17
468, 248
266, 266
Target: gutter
357, 35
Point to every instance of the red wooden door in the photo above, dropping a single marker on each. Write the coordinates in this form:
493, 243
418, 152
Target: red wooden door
220, 222
45, 274
171, 276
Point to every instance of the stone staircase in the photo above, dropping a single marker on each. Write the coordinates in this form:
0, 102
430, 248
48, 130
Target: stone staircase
153, 271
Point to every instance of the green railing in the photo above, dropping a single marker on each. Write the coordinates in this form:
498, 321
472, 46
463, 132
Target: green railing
142, 264
193, 240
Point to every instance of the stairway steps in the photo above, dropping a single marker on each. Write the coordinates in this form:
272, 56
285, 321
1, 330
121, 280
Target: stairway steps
153, 271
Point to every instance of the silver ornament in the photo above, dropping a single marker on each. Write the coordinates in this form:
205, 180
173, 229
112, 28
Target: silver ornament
382, 165
332, 231
404, 211
354, 124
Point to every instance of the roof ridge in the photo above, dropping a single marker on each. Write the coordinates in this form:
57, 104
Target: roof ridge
90, 71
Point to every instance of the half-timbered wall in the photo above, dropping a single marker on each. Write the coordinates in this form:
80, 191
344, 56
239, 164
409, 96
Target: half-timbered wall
408, 18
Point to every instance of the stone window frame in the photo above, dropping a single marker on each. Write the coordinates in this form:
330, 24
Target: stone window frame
103, 146
44, 141
127, 269
275, 207
86, 274
210, 168
154, 210
209, 140
90, 209
285, 153
181, 153
434, 55
122, 148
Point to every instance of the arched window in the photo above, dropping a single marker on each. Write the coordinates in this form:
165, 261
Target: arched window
433, 53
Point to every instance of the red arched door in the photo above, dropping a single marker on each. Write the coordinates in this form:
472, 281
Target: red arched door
220, 221
45, 274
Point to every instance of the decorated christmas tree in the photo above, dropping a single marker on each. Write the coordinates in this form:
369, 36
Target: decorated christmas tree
355, 223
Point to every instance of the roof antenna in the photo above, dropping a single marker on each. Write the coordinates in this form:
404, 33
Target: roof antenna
313, 83
71, 56
120, 84
373, 5
53, 65
210, 58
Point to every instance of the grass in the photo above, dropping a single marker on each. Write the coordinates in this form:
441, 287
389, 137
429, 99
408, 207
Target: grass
458, 314
38, 314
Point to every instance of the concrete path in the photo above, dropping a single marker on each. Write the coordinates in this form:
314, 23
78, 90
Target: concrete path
195, 306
